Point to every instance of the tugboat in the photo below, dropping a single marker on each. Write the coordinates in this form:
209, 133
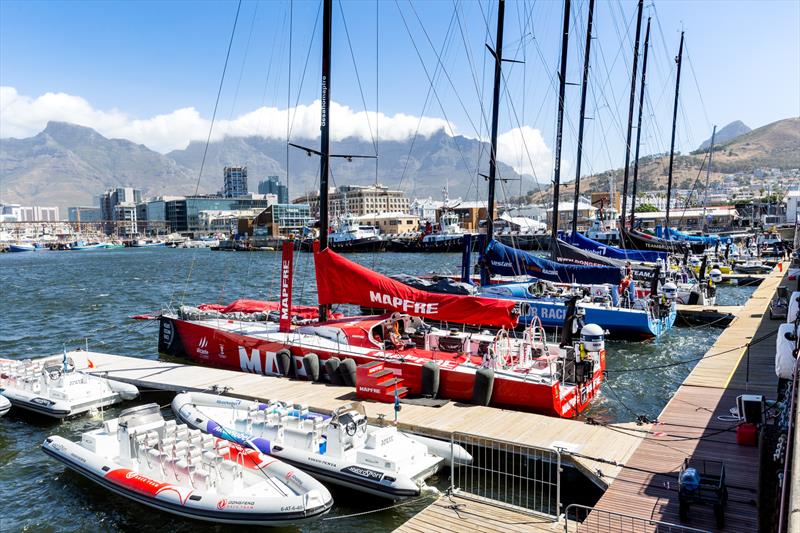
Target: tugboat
350, 236
448, 237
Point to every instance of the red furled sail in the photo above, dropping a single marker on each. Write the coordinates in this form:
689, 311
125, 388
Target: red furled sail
340, 281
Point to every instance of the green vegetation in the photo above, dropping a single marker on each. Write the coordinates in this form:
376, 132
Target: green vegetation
646, 208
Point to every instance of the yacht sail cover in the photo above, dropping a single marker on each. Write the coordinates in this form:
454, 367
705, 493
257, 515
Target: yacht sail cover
506, 261
340, 281
585, 243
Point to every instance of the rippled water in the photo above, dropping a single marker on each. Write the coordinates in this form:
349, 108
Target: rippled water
51, 299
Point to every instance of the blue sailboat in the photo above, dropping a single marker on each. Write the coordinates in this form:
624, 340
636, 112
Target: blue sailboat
628, 317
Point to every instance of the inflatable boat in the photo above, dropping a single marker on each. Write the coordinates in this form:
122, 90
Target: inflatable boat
5, 405
182, 471
59, 389
341, 449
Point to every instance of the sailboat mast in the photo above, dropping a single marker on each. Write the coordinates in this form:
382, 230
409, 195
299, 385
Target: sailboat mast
498, 60
626, 170
639, 123
708, 175
562, 79
674, 123
324, 147
584, 87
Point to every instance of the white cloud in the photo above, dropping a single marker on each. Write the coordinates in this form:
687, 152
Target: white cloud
526, 151
24, 116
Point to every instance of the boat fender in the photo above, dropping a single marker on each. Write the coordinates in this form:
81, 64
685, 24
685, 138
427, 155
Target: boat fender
347, 371
332, 369
784, 351
430, 379
311, 366
794, 307
284, 358
484, 383
126, 391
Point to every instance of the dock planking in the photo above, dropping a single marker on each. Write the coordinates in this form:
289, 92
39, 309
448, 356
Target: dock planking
689, 426
605, 444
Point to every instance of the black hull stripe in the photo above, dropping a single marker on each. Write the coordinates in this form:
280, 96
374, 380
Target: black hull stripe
200, 514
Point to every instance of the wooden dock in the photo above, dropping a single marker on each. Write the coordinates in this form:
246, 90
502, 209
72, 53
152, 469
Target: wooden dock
605, 444
449, 514
689, 426
646, 486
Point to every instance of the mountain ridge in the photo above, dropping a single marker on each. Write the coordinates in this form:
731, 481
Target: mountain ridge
67, 165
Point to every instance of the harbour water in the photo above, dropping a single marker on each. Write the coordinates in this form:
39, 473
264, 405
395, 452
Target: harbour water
74, 299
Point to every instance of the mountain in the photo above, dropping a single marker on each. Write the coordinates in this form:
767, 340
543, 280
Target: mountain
68, 165
776, 145
431, 163
726, 134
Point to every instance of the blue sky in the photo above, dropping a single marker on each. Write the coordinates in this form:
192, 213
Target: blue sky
132, 61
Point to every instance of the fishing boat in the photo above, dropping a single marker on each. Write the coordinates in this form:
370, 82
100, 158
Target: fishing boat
21, 247
178, 470
350, 236
57, 388
148, 243
342, 449
5, 405
446, 237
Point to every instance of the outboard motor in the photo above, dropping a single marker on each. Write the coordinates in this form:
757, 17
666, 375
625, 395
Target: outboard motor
670, 291
715, 275
592, 342
593, 338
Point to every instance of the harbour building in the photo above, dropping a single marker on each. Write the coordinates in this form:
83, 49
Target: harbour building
359, 200
84, 214
234, 182
273, 185
112, 213
200, 214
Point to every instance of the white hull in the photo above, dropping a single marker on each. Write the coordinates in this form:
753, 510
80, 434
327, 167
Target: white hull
377, 461
170, 469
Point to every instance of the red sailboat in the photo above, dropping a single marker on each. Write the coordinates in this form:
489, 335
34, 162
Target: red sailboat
524, 372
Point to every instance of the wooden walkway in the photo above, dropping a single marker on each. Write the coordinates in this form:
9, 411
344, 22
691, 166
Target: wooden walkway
449, 514
440, 422
689, 426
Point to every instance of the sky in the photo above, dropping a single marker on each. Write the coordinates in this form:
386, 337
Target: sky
150, 71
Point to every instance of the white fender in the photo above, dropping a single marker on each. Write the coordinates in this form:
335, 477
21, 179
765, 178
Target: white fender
126, 391
794, 307
443, 449
784, 352
5, 405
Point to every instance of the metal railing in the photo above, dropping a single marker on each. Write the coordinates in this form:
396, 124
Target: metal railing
506, 474
582, 519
